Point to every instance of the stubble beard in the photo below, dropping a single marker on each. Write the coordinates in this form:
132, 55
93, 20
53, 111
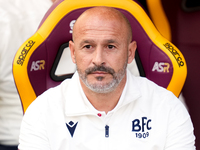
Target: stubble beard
100, 87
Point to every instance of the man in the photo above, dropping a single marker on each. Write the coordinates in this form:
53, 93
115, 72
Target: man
19, 19
104, 106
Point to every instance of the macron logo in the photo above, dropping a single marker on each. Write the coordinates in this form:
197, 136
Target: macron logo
71, 127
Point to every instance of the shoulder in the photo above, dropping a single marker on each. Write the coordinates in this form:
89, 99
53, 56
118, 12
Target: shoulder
162, 103
155, 95
55, 99
147, 86
50, 100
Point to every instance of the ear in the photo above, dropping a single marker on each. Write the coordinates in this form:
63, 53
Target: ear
131, 51
72, 50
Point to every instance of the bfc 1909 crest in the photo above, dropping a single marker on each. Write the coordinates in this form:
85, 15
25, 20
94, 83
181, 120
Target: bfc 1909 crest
141, 127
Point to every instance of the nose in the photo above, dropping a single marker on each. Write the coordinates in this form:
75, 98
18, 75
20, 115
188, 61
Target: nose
98, 57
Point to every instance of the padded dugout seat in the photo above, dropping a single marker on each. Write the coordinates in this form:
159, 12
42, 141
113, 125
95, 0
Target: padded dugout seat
179, 21
35, 62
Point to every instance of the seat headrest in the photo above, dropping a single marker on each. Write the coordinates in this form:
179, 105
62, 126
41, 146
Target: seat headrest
36, 60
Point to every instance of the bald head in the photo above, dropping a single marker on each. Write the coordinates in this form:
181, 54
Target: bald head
102, 14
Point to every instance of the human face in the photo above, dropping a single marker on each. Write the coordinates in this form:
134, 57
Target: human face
101, 53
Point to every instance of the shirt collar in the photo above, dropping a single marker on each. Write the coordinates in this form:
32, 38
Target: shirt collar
76, 103
131, 91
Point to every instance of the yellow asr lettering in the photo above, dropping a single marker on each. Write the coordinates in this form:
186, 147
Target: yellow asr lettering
42, 63
166, 68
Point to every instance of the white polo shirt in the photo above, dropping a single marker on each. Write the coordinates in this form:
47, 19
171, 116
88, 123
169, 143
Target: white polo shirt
147, 117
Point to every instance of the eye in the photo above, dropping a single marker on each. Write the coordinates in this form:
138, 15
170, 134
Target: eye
87, 46
111, 46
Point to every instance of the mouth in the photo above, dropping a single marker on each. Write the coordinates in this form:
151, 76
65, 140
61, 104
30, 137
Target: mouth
99, 75
99, 72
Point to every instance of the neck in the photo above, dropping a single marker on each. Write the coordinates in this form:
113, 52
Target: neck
104, 101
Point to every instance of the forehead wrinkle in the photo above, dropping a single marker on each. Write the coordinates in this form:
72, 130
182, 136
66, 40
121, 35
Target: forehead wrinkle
97, 29
86, 41
93, 39
93, 42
